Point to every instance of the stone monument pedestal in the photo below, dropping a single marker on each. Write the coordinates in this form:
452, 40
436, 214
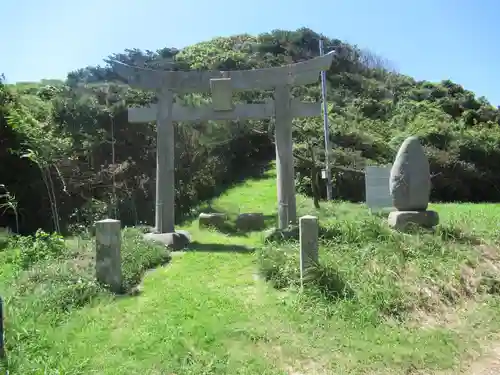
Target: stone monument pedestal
410, 188
173, 241
401, 220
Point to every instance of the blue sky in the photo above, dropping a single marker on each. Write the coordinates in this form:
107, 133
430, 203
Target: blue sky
428, 39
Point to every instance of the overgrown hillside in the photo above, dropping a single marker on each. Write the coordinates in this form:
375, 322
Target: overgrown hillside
69, 155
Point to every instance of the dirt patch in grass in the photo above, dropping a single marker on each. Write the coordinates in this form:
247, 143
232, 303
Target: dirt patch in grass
441, 304
487, 364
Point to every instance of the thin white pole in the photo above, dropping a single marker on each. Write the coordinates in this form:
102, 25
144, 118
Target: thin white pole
329, 195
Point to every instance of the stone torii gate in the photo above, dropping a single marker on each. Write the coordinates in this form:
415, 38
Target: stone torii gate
222, 84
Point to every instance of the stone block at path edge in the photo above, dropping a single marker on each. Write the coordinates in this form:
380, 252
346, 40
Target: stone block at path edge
173, 241
216, 220
402, 220
250, 222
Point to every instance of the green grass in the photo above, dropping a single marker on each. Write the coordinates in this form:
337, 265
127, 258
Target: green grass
379, 303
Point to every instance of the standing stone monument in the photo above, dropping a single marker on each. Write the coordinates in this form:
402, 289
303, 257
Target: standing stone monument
410, 187
378, 197
222, 84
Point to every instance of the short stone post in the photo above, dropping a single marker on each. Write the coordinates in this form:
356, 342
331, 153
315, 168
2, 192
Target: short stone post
108, 253
308, 234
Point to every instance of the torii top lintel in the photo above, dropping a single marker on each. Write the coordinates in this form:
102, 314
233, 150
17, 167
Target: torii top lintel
301, 73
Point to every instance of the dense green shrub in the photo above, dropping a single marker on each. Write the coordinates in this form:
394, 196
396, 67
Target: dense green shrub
71, 171
138, 256
24, 251
61, 274
43, 278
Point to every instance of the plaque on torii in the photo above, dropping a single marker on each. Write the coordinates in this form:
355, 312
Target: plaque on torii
222, 85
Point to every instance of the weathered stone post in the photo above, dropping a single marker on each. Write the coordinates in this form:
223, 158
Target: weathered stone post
410, 187
108, 253
308, 234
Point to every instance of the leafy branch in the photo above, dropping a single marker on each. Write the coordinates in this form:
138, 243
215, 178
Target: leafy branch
10, 204
43, 145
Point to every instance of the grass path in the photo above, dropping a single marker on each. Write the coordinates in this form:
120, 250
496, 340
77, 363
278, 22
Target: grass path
208, 313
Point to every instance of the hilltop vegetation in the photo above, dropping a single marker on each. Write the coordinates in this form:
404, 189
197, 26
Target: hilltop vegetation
58, 137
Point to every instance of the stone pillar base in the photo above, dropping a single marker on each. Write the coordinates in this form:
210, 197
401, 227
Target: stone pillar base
174, 241
401, 220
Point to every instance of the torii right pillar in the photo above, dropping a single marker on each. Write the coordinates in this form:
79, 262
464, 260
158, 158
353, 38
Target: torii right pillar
285, 179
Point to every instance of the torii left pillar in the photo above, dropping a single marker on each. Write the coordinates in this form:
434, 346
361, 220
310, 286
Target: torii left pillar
165, 165
164, 231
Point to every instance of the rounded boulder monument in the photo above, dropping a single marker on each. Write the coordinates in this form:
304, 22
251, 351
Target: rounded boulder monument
410, 179
410, 188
